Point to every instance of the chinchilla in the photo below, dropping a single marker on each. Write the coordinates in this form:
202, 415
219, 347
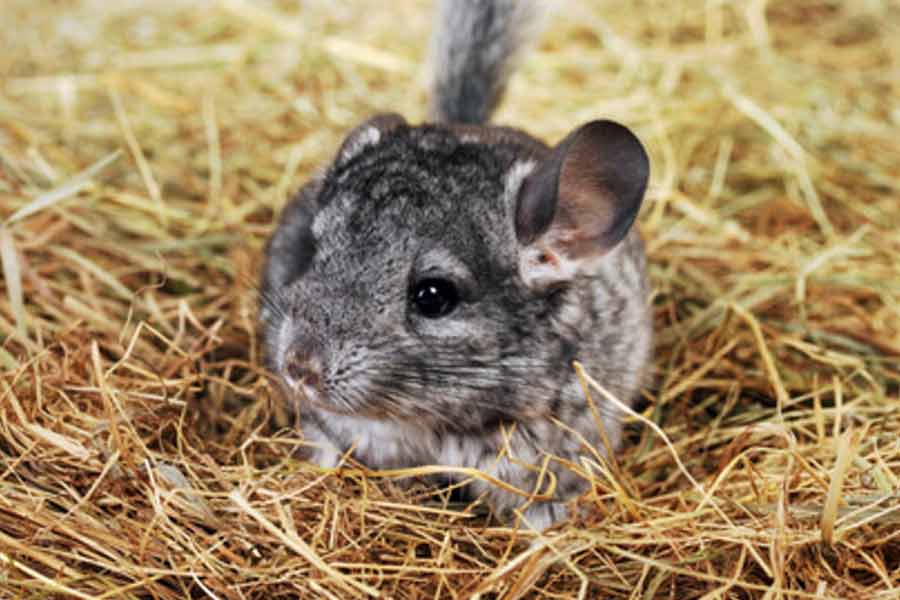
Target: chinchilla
424, 297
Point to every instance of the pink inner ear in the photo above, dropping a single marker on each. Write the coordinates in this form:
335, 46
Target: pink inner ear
591, 186
583, 205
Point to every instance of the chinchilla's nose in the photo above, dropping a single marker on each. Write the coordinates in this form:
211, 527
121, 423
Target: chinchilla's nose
302, 368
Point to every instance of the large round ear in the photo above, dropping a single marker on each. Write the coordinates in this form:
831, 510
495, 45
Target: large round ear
580, 202
368, 133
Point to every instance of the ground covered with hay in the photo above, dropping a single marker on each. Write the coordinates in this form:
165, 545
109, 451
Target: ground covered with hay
145, 149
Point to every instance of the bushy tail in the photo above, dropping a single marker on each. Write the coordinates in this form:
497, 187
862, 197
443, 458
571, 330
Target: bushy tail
474, 47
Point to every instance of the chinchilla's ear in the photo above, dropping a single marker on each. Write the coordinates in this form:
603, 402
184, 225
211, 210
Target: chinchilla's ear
368, 133
580, 202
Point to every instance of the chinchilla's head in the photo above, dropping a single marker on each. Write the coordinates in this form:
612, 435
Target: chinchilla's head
431, 274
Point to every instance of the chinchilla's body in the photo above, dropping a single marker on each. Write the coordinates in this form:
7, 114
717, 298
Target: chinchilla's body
424, 298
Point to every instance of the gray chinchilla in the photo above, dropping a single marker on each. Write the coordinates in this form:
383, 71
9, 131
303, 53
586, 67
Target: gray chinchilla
423, 299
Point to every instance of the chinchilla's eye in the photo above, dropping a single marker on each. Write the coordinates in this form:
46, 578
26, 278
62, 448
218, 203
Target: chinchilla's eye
435, 298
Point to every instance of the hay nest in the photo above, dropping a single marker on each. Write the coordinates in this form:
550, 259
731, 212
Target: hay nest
145, 149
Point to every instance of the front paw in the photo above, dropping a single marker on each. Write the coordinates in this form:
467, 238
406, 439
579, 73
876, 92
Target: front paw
543, 515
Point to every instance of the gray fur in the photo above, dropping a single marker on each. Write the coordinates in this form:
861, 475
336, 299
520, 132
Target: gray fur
474, 47
483, 386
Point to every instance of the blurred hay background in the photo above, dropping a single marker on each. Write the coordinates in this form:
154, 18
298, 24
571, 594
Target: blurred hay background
145, 149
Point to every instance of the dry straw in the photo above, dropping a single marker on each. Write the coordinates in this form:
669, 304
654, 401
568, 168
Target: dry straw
145, 149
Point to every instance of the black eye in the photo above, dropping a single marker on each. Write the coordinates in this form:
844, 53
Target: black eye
435, 298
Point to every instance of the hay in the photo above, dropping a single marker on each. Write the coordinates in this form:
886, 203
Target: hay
145, 149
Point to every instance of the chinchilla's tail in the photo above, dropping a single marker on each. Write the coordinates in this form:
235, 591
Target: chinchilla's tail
474, 47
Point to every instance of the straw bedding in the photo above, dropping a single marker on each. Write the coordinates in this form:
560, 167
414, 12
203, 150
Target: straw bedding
145, 149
